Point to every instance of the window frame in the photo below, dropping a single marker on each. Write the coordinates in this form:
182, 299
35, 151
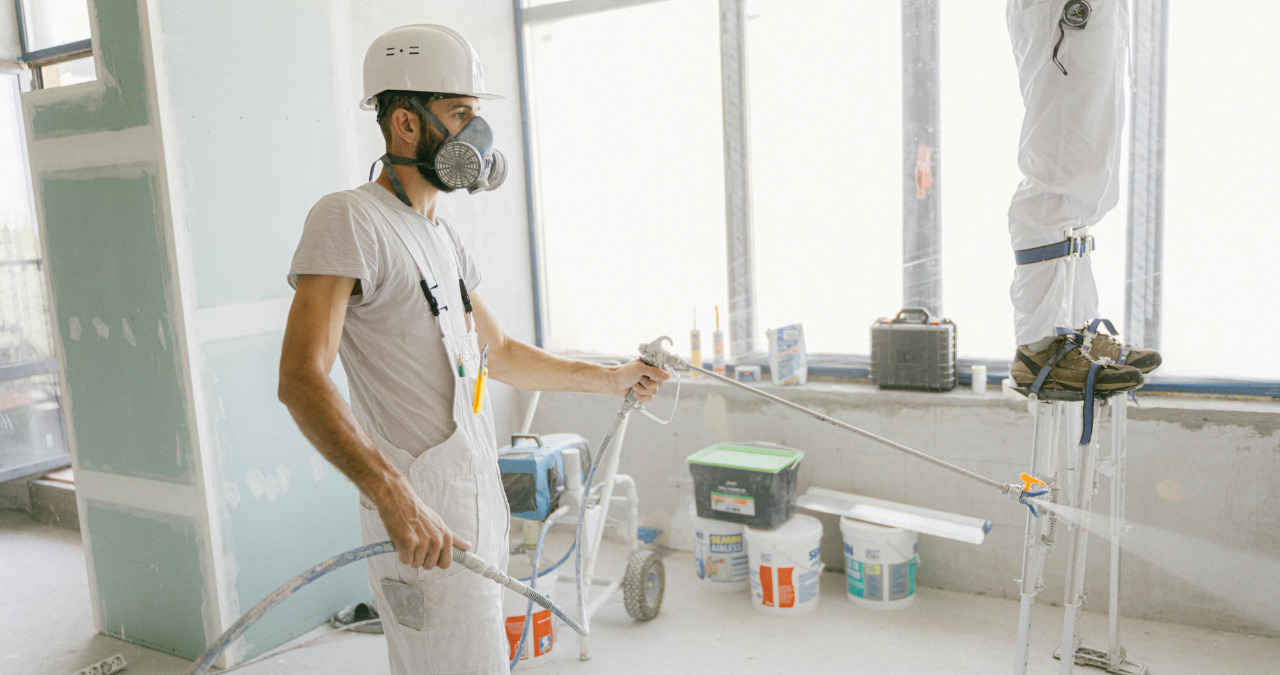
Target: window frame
37, 60
1144, 229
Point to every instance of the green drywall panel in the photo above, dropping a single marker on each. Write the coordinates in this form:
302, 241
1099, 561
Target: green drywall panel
291, 510
108, 265
256, 133
118, 100
147, 566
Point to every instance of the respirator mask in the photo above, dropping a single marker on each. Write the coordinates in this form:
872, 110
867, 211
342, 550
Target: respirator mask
466, 160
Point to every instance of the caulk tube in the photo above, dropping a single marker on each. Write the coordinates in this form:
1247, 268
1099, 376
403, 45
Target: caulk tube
717, 346
695, 348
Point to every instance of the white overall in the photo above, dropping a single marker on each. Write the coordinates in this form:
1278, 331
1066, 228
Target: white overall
444, 622
1069, 154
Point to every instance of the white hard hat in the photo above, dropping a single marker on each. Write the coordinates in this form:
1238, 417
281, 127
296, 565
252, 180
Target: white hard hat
422, 57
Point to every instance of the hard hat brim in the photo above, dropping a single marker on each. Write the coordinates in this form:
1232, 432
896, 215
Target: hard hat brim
370, 103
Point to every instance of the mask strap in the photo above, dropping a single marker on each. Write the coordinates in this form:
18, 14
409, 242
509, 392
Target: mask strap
396, 160
431, 118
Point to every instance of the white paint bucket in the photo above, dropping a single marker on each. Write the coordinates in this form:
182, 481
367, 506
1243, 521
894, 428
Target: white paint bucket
879, 564
542, 636
785, 566
720, 553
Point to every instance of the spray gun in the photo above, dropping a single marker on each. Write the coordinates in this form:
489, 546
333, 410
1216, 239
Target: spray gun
654, 354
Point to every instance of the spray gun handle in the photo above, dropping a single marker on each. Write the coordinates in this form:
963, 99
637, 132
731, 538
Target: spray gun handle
653, 353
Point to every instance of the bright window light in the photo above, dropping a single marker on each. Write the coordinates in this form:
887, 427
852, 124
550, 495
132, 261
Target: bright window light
629, 167
52, 23
1221, 237
826, 188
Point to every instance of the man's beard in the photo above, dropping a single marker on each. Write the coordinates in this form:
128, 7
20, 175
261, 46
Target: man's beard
424, 153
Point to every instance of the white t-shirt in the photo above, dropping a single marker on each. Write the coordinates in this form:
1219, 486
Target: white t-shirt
391, 349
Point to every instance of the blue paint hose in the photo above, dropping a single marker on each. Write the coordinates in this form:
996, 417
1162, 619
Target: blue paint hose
465, 558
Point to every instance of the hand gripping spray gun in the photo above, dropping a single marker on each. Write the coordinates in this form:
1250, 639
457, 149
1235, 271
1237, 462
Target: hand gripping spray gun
654, 355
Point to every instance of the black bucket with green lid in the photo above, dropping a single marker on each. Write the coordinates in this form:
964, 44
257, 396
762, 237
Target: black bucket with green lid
750, 484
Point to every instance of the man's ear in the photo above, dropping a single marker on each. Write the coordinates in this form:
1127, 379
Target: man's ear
405, 126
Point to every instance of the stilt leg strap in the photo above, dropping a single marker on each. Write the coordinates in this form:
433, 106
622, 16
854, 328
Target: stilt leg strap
1071, 246
1086, 433
1075, 340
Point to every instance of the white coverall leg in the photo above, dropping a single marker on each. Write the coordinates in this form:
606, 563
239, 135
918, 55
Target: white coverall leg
447, 622
1069, 153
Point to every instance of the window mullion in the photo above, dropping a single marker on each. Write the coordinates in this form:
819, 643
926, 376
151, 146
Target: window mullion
1144, 259
921, 120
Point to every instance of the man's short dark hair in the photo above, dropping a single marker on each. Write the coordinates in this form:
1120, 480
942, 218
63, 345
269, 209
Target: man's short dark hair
391, 100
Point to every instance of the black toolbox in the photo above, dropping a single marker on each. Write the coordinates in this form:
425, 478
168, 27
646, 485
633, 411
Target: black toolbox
913, 350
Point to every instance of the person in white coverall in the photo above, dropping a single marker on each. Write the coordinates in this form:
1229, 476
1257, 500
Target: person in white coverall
386, 283
1072, 68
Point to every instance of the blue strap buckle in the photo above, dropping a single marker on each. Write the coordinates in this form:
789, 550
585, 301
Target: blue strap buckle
1080, 246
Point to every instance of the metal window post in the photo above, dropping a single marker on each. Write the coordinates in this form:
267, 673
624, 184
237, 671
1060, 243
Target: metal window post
737, 177
921, 225
1144, 259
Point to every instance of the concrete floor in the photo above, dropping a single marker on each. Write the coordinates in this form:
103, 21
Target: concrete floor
47, 626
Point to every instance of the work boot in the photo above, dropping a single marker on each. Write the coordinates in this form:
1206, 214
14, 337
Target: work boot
1104, 346
1069, 372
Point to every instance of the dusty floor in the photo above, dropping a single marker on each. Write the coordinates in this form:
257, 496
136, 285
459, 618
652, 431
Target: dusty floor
47, 627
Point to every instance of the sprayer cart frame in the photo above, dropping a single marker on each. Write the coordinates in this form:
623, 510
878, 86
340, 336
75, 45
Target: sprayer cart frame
644, 579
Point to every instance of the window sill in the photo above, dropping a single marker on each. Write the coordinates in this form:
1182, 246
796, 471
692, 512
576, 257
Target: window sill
961, 396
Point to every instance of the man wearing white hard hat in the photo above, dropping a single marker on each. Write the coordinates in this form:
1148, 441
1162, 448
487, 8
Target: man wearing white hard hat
386, 283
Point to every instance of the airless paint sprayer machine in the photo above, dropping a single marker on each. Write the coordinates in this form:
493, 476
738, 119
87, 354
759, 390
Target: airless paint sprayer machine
653, 354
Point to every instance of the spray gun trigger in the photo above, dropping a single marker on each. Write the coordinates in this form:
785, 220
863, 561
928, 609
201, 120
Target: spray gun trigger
1028, 492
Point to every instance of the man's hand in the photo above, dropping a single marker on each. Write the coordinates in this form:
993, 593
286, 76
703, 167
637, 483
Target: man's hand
421, 538
637, 376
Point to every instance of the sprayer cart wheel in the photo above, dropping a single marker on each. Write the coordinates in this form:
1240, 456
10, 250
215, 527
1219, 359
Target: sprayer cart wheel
642, 587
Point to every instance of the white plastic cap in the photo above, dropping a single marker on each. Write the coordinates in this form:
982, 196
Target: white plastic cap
422, 57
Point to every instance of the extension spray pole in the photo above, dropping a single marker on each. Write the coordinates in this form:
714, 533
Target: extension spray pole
654, 354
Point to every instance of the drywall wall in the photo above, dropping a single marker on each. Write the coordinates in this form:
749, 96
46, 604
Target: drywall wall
172, 191
98, 175
1203, 486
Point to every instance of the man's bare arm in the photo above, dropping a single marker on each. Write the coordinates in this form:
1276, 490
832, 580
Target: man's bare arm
310, 346
524, 366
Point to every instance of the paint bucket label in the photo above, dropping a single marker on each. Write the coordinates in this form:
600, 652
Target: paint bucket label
744, 505
720, 558
785, 566
879, 582
785, 587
